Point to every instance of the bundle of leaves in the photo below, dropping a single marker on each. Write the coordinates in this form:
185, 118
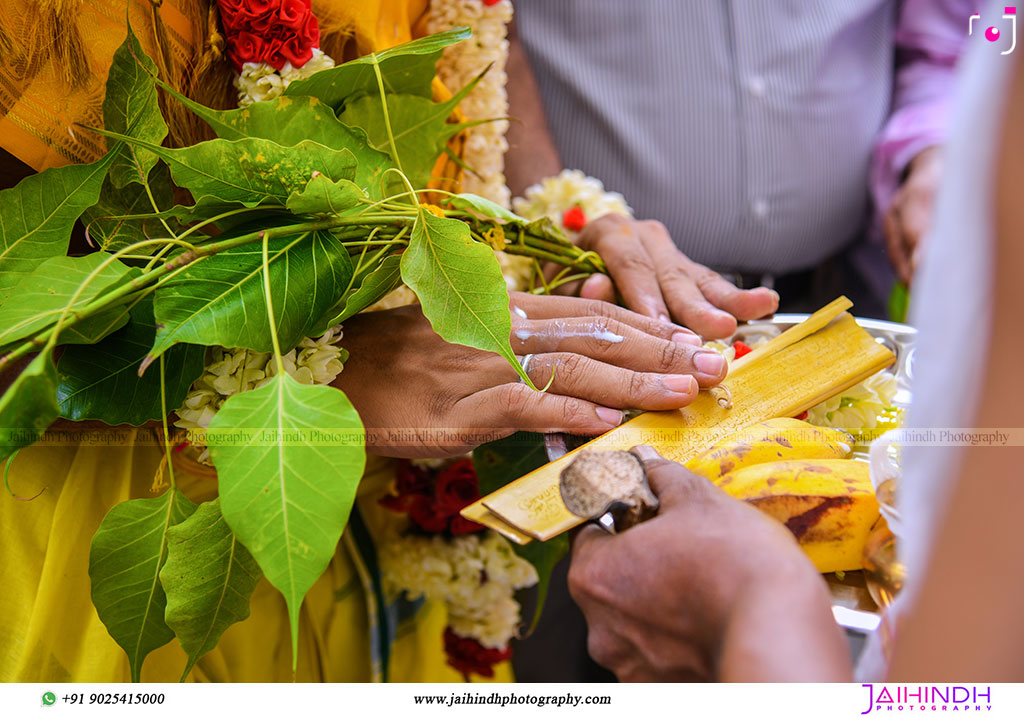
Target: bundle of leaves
304, 211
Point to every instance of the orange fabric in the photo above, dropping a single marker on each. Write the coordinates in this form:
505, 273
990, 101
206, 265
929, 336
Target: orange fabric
42, 114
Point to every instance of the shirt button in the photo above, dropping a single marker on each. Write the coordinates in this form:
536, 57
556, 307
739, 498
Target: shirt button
756, 86
760, 208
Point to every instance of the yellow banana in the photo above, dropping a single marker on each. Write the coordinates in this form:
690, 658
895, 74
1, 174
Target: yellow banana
828, 505
777, 439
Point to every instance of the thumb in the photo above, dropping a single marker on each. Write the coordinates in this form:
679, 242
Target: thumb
670, 481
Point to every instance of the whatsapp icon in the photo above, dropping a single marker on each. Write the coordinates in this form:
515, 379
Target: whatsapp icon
49, 698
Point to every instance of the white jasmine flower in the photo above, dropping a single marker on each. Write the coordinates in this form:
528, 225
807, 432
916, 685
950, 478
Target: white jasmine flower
570, 188
259, 81
859, 407
316, 361
475, 577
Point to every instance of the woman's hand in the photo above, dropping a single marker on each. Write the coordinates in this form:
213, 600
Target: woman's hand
421, 396
657, 280
710, 588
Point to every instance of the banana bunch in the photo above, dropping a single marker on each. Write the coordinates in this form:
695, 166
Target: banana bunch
802, 476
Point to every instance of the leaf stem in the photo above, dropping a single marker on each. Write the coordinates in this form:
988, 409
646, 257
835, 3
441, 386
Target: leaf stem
387, 118
270, 305
163, 416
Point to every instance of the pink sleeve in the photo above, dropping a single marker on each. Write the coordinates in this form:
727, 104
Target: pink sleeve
930, 35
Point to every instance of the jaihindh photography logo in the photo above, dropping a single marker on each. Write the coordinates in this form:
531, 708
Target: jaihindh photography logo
927, 698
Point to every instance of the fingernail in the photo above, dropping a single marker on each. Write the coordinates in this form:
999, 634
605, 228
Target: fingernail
709, 362
680, 383
609, 415
646, 453
683, 337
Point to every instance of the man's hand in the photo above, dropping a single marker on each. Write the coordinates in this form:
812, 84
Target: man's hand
710, 588
909, 216
657, 280
420, 396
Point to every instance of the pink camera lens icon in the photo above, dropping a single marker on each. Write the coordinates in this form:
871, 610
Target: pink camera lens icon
993, 34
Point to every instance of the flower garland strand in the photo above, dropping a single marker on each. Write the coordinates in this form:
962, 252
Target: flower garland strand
271, 43
473, 571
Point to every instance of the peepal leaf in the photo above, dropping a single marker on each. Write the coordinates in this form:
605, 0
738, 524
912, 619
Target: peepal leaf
102, 382
113, 223
289, 458
209, 578
28, 406
419, 126
220, 301
482, 206
460, 286
38, 300
38, 214
377, 284
250, 170
323, 196
130, 107
125, 559
291, 120
405, 69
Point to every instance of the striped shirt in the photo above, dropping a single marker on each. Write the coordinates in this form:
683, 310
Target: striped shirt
746, 126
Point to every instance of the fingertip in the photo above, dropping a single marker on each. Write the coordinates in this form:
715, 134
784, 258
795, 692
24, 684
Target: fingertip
598, 287
646, 453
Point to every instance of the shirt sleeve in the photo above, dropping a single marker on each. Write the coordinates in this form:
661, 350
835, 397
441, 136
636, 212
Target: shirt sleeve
930, 35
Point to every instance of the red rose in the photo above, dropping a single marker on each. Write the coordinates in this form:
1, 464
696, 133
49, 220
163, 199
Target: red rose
239, 14
296, 51
293, 13
272, 55
410, 481
428, 515
457, 486
490, 3
246, 47
468, 656
311, 31
461, 526
574, 219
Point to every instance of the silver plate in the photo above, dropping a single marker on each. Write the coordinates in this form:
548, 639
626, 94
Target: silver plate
898, 338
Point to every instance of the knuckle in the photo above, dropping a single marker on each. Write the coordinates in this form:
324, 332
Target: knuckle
572, 412
570, 365
638, 385
655, 227
636, 261
512, 401
668, 356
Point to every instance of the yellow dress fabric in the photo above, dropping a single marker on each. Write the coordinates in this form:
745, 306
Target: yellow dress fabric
49, 629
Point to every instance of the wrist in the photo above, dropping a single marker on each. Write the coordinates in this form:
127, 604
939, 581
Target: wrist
780, 628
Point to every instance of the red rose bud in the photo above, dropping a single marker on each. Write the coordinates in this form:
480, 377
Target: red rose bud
311, 31
296, 51
427, 515
491, 3
293, 13
573, 219
470, 657
741, 349
246, 47
457, 486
